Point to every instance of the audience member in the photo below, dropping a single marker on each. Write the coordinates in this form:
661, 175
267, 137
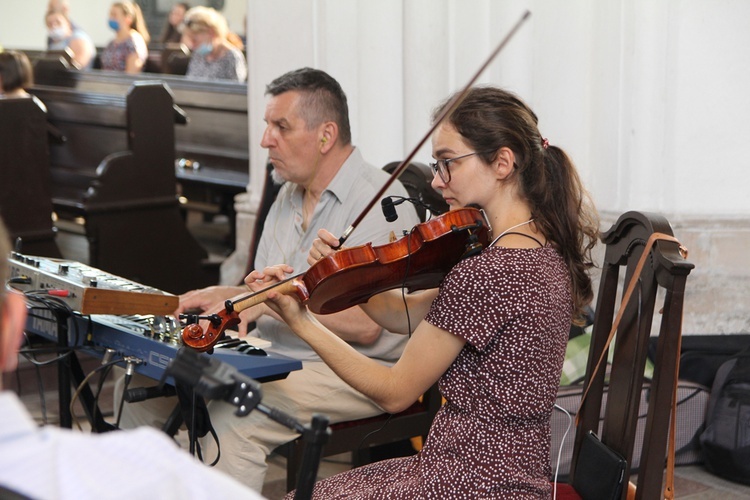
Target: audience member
129, 50
213, 56
52, 463
326, 184
62, 35
15, 74
63, 7
494, 334
172, 32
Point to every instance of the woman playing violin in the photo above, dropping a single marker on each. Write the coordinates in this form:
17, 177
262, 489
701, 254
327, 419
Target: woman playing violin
494, 333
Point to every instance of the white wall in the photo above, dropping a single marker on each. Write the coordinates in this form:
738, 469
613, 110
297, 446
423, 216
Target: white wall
647, 96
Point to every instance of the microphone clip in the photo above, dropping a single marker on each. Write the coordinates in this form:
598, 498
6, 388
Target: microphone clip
388, 204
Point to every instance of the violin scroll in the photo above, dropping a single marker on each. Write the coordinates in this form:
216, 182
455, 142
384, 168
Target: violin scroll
194, 336
204, 341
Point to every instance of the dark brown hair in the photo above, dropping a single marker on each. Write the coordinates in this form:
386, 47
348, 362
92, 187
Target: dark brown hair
15, 71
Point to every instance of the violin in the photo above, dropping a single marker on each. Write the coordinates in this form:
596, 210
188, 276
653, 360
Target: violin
351, 276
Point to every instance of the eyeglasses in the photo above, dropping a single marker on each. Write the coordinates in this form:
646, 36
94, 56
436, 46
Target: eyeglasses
440, 167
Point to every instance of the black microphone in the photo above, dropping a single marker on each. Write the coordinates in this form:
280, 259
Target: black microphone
143, 393
389, 208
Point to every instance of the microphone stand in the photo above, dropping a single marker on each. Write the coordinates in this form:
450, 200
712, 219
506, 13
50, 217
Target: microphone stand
213, 379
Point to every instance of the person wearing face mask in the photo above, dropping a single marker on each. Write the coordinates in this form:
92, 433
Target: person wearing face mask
213, 56
63, 35
128, 51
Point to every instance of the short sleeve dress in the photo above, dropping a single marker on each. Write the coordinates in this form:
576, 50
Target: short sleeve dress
115, 55
491, 439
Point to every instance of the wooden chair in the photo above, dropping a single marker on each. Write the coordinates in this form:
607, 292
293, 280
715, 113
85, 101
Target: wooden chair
663, 278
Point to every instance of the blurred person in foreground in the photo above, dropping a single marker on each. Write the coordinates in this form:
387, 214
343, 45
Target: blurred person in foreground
46, 463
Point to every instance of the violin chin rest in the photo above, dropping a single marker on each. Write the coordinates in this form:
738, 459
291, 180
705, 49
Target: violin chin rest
472, 249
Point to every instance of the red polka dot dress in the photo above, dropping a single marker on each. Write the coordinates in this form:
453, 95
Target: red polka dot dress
491, 439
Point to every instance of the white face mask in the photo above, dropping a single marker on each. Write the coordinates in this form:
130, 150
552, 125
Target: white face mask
57, 33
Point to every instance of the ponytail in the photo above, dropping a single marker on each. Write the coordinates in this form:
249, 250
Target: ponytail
133, 10
565, 214
139, 23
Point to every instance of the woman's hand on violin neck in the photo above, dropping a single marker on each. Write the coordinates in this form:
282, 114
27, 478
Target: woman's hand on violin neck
290, 310
325, 244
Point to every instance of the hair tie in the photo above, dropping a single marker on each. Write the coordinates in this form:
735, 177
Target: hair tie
545, 143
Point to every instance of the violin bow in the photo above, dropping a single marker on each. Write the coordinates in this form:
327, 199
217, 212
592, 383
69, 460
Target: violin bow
447, 110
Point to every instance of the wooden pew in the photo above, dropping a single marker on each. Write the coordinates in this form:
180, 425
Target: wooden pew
215, 137
25, 200
116, 171
168, 59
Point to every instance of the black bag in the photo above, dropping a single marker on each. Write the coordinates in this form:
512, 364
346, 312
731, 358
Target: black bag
726, 440
600, 472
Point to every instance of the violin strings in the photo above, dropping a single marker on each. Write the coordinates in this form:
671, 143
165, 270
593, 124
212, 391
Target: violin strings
403, 284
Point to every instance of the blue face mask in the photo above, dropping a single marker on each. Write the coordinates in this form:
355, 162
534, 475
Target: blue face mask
114, 25
204, 49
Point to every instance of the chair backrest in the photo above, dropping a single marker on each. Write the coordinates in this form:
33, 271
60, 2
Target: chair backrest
663, 278
175, 59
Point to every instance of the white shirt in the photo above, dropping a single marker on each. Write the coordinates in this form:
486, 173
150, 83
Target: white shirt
52, 463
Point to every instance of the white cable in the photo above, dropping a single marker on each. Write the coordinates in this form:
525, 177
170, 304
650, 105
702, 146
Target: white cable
559, 452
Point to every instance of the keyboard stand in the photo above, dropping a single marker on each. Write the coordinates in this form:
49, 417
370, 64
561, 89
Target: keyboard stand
69, 370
